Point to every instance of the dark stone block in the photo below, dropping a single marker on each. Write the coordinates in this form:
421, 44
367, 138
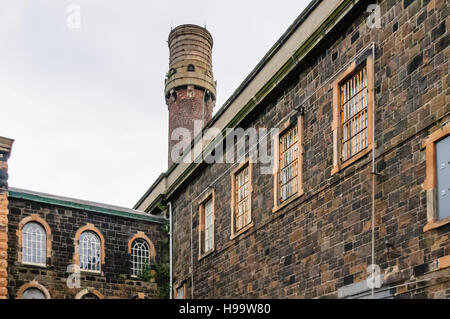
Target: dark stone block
334, 56
348, 246
395, 27
420, 270
421, 18
288, 260
414, 64
355, 37
348, 280
406, 3
438, 31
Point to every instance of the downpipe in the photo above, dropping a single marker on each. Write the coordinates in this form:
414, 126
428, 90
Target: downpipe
170, 252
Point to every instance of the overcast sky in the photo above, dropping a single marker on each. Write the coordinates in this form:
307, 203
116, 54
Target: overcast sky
86, 106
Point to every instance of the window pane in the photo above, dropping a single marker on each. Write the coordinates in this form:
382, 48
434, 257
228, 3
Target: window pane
208, 230
288, 163
180, 293
140, 257
443, 177
242, 208
34, 244
33, 293
90, 251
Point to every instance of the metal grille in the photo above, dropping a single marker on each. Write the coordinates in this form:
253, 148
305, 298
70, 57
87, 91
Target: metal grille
34, 244
139, 256
354, 114
90, 251
289, 163
208, 226
242, 217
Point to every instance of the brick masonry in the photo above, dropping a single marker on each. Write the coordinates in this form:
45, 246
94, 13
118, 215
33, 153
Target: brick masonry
321, 242
185, 107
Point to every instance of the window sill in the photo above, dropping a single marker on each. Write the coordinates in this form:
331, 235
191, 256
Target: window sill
434, 224
241, 231
350, 161
204, 255
287, 202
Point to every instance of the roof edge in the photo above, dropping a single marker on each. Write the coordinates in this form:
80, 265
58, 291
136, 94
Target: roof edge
73, 203
284, 37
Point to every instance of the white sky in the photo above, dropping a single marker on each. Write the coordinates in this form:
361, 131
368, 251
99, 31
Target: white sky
86, 106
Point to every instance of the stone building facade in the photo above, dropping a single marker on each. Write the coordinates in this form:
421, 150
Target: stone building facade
48, 247
313, 239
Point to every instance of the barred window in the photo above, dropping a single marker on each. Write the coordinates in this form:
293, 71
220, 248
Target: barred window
34, 244
90, 251
140, 256
354, 114
289, 163
243, 213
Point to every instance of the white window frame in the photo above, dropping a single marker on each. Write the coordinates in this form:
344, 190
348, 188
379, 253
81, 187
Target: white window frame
93, 239
34, 241
140, 250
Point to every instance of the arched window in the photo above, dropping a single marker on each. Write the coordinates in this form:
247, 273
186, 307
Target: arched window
90, 251
32, 290
33, 293
140, 256
191, 68
89, 295
34, 244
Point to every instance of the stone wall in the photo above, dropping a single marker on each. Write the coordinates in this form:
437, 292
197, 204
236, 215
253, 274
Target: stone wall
321, 242
115, 280
5, 151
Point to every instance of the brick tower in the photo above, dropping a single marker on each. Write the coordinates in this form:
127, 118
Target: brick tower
190, 87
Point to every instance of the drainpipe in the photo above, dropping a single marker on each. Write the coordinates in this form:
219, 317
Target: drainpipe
170, 251
192, 256
374, 173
